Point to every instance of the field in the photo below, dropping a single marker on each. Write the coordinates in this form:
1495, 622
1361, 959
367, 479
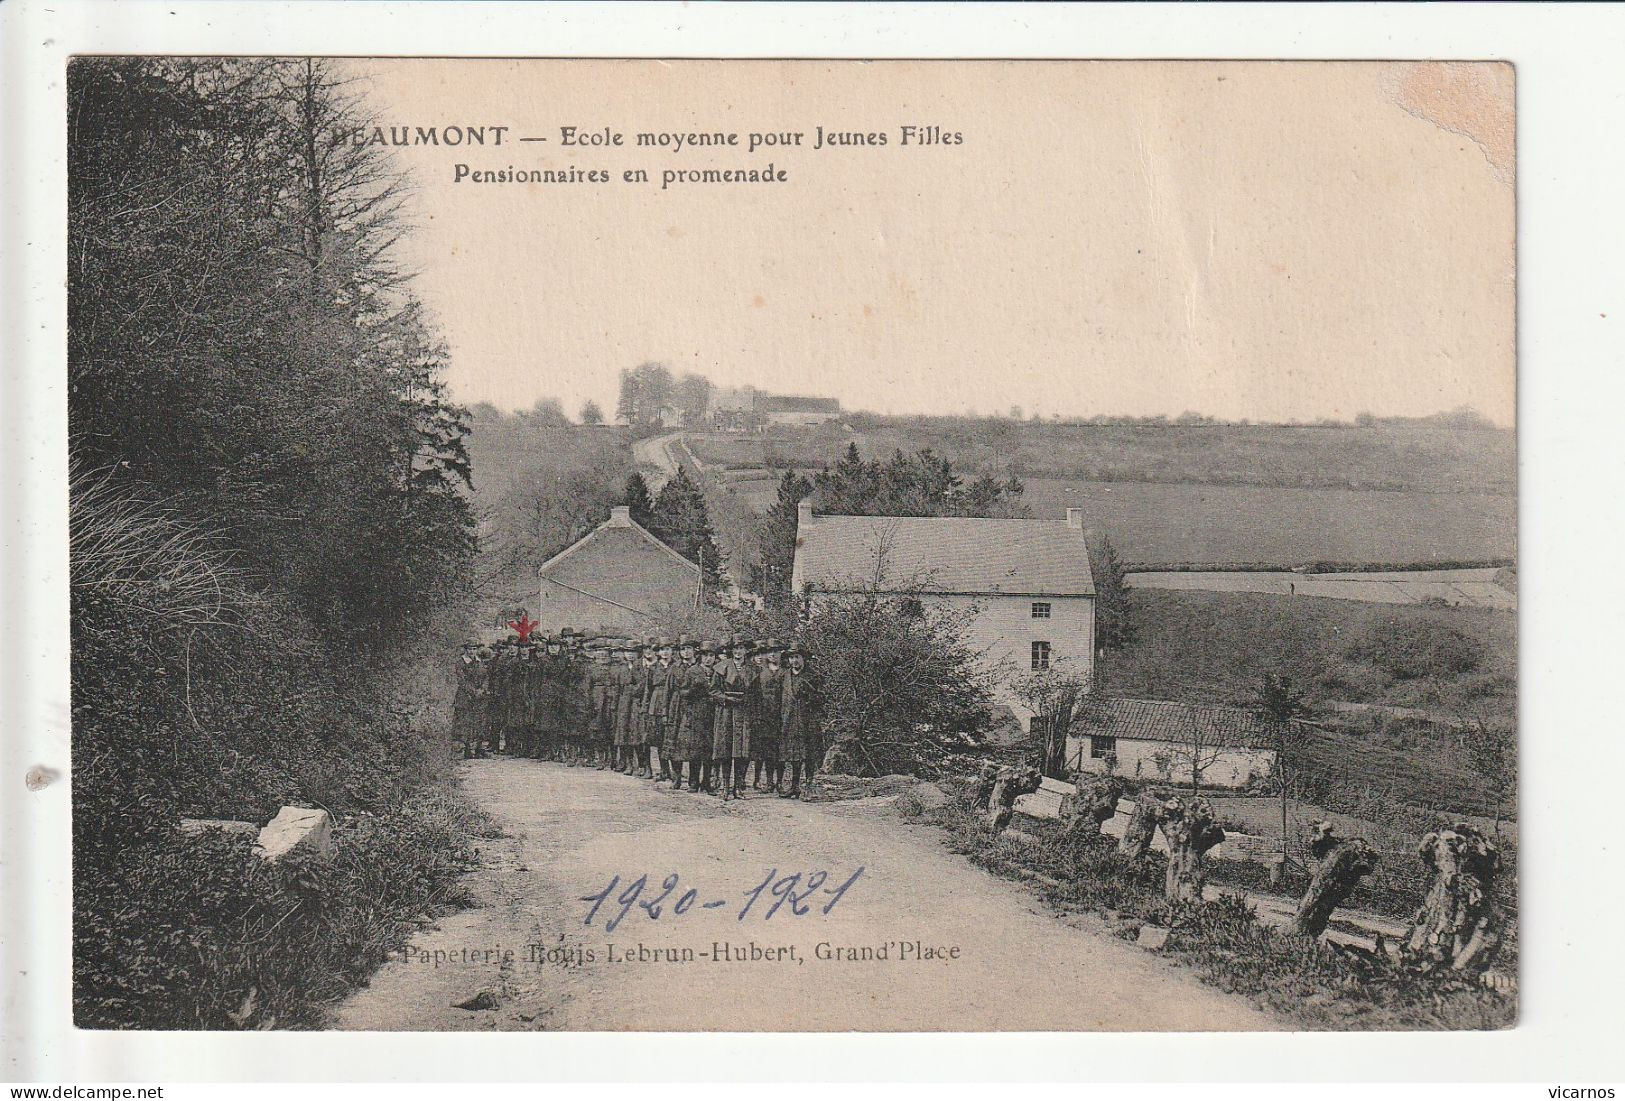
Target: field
1171, 523
1419, 458
1232, 495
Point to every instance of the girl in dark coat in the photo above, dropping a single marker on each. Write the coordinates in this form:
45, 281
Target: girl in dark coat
764, 734
798, 721
696, 717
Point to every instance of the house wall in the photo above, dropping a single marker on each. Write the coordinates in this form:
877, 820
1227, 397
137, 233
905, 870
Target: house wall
1003, 626
619, 582
800, 419
1144, 758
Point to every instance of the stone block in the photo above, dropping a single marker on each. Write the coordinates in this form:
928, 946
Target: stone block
1048, 800
1152, 937
297, 829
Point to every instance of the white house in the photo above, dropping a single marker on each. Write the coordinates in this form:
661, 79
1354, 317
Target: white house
1028, 581
1162, 740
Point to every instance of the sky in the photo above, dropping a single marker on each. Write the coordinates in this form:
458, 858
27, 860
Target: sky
1261, 240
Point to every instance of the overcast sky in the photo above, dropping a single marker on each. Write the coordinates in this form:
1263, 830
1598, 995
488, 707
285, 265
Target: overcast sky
1250, 239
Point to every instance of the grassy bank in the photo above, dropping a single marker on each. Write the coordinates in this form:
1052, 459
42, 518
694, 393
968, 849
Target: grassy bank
195, 931
199, 695
1308, 983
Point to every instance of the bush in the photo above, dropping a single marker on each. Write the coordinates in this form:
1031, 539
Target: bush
895, 676
1411, 649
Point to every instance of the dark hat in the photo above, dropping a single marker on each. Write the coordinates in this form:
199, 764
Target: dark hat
686, 643
795, 648
710, 646
567, 632
512, 637
487, 652
769, 646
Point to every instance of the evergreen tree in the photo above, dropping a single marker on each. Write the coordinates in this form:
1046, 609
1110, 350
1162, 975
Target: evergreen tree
637, 499
922, 484
778, 538
590, 413
1113, 628
680, 520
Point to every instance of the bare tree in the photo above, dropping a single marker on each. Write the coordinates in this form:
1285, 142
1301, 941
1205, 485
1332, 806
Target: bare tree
1056, 697
1203, 742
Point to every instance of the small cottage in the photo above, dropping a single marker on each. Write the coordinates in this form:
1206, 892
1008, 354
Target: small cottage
618, 577
1229, 747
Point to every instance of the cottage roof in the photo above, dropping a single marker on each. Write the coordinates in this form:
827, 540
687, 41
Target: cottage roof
947, 554
1169, 721
619, 527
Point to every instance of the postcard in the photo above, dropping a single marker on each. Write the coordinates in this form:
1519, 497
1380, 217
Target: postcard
792, 545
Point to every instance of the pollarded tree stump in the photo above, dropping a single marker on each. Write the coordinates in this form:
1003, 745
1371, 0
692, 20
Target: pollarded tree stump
1142, 824
1188, 826
1458, 926
1010, 784
1339, 866
1094, 805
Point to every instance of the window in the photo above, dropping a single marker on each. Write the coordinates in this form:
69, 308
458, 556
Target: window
1040, 609
1102, 745
1040, 656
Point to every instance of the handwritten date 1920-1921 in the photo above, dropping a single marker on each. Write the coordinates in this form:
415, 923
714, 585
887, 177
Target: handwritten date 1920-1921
797, 893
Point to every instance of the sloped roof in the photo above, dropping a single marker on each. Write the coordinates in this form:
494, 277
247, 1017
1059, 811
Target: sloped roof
1169, 721
948, 554
619, 526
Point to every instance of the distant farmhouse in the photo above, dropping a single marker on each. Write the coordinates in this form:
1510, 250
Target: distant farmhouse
1160, 740
747, 409
1028, 580
618, 577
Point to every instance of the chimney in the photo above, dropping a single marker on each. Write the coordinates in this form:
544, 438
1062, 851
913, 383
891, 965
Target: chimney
804, 513
1074, 519
620, 516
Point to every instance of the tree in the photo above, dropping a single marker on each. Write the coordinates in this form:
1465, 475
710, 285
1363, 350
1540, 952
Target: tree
1202, 743
692, 394
590, 413
898, 678
1459, 926
1279, 699
778, 538
1113, 627
1339, 866
547, 413
922, 484
645, 390
1055, 696
637, 500
680, 520
236, 309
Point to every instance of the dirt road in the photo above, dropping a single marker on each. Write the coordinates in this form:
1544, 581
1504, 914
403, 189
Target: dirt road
945, 944
656, 459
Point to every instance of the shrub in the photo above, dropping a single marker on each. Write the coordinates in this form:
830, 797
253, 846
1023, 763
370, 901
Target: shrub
1411, 649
